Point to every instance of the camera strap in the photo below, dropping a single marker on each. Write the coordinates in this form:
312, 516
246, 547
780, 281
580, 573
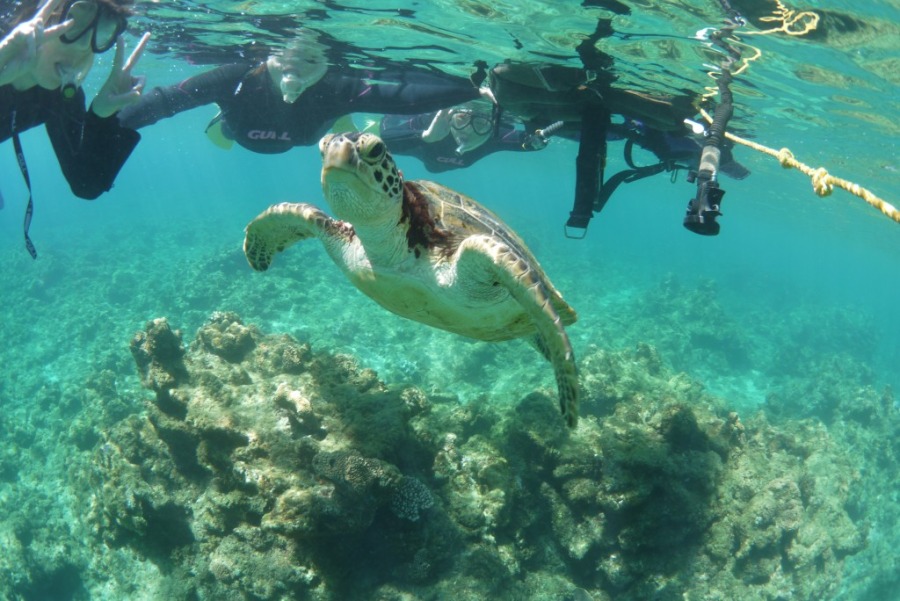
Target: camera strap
23, 166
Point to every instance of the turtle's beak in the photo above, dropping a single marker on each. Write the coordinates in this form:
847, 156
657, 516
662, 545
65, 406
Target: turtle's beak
324, 142
337, 151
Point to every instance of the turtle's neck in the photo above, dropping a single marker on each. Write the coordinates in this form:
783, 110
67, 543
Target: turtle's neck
385, 242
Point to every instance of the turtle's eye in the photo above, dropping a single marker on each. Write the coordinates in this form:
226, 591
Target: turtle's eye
374, 153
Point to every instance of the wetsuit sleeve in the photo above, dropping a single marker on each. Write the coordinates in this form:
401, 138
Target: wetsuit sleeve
401, 92
163, 102
90, 149
404, 130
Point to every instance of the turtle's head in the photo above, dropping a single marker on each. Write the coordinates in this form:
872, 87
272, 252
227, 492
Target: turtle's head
360, 180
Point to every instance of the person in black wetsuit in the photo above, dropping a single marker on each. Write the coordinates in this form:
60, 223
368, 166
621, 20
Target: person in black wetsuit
673, 147
43, 61
294, 98
579, 104
459, 137
454, 138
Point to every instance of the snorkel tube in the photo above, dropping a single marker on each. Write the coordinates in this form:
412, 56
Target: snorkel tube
703, 210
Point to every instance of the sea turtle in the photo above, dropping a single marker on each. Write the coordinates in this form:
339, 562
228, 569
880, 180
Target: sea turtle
425, 252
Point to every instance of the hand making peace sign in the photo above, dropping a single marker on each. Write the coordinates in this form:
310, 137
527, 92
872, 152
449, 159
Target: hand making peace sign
38, 53
121, 87
18, 50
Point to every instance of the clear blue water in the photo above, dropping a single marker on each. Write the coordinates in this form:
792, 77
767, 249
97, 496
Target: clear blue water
791, 274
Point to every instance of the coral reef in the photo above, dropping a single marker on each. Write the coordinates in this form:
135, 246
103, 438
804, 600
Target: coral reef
261, 469
836, 392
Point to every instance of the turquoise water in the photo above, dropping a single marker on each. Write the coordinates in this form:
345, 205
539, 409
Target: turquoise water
787, 319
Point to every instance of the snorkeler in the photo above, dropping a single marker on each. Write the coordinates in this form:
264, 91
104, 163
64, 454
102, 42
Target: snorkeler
578, 104
43, 62
456, 137
460, 136
294, 97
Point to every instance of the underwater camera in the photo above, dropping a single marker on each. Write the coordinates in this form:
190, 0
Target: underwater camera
704, 208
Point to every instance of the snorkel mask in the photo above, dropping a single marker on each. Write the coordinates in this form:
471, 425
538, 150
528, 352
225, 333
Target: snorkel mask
295, 81
103, 25
301, 66
92, 22
470, 129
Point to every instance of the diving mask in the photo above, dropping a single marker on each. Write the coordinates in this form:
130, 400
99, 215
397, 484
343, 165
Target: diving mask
297, 73
91, 18
469, 129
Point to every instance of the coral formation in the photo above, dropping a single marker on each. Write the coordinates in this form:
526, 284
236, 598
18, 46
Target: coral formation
411, 499
264, 470
865, 422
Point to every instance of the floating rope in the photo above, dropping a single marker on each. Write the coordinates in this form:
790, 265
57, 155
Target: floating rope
793, 23
789, 20
822, 181
740, 67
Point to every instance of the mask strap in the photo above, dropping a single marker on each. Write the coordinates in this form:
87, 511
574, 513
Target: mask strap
29, 210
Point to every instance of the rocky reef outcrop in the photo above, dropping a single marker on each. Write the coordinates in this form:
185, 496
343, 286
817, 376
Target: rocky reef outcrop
262, 469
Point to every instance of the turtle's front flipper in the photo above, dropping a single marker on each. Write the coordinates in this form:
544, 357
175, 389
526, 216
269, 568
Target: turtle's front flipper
527, 285
280, 226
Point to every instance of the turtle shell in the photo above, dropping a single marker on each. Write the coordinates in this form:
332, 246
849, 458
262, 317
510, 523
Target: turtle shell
440, 218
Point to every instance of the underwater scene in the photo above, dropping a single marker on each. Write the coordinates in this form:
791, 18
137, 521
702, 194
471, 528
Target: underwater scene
176, 424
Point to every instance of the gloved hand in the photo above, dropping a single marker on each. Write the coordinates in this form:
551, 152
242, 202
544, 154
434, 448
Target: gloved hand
121, 87
18, 50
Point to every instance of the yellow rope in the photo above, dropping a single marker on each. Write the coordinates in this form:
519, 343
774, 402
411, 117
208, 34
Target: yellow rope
797, 23
822, 181
744, 65
788, 18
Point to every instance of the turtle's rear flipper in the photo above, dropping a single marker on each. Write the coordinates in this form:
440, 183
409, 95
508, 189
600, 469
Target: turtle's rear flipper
277, 228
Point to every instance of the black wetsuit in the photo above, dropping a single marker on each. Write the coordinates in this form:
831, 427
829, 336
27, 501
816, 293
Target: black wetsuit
256, 117
671, 147
91, 150
403, 135
583, 103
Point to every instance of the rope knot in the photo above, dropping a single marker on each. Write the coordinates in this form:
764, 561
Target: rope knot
785, 157
821, 182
